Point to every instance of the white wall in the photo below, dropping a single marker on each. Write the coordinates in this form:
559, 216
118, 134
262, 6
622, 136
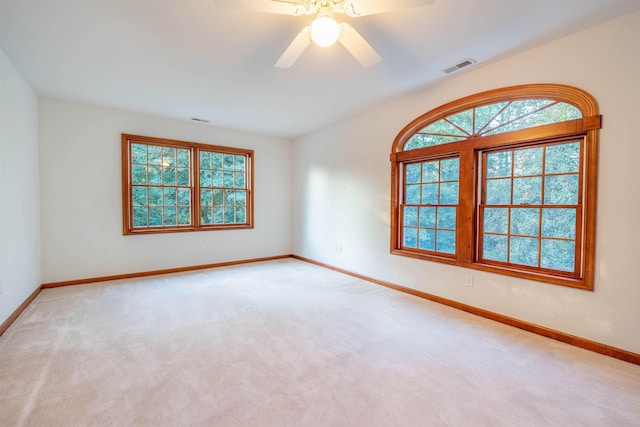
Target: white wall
19, 191
342, 190
82, 196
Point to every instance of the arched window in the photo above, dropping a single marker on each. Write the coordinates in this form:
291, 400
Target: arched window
503, 181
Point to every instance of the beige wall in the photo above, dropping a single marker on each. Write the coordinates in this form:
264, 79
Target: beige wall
342, 190
19, 191
82, 196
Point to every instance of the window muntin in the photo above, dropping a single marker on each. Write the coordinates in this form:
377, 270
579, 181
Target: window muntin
519, 212
223, 191
182, 186
160, 186
430, 205
530, 206
493, 119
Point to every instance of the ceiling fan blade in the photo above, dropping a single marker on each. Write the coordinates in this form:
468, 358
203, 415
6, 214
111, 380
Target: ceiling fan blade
295, 49
358, 46
356, 8
282, 7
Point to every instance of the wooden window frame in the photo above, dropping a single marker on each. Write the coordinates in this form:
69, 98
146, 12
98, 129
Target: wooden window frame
195, 148
585, 130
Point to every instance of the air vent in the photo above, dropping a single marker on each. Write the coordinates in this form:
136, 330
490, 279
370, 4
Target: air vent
195, 119
461, 64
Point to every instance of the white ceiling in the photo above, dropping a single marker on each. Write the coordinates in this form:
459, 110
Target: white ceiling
189, 58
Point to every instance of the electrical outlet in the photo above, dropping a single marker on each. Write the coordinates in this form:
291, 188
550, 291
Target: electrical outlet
339, 248
468, 281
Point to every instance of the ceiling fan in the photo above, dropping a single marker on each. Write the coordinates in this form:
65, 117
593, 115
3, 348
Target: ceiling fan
325, 30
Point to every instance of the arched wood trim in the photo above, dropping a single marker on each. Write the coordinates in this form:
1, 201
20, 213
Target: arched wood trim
582, 100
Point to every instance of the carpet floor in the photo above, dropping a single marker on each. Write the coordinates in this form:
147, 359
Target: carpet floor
287, 343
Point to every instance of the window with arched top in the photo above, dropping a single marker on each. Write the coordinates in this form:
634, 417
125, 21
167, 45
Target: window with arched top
503, 181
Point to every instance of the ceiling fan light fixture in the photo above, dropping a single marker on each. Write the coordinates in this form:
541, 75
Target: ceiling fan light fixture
324, 29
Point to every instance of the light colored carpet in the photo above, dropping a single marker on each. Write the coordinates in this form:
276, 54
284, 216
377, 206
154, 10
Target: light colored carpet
286, 343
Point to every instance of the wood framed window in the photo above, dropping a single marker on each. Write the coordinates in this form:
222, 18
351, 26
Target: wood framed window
522, 199
171, 186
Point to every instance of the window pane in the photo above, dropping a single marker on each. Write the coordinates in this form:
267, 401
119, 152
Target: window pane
430, 171
523, 250
168, 156
410, 237
230, 198
140, 218
170, 195
428, 217
155, 216
464, 120
240, 163
411, 216
446, 241
412, 173
205, 160
430, 194
449, 170
140, 196
206, 198
494, 247
155, 175
241, 198
216, 159
559, 223
525, 222
218, 197
240, 215
426, 240
498, 192
205, 178
183, 177
184, 197
169, 176
138, 153
447, 218
449, 193
170, 216
184, 157
527, 162
527, 191
561, 190
496, 220
228, 180
420, 140
499, 164
206, 216
218, 215
228, 162
558, 254
229, 215
154, 155
239, 180
412, 196
155, 196
442, 127
217, 179
184, 216
562, 158
138, 174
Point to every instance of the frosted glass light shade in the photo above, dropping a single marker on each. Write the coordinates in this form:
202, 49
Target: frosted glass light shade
324, 31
